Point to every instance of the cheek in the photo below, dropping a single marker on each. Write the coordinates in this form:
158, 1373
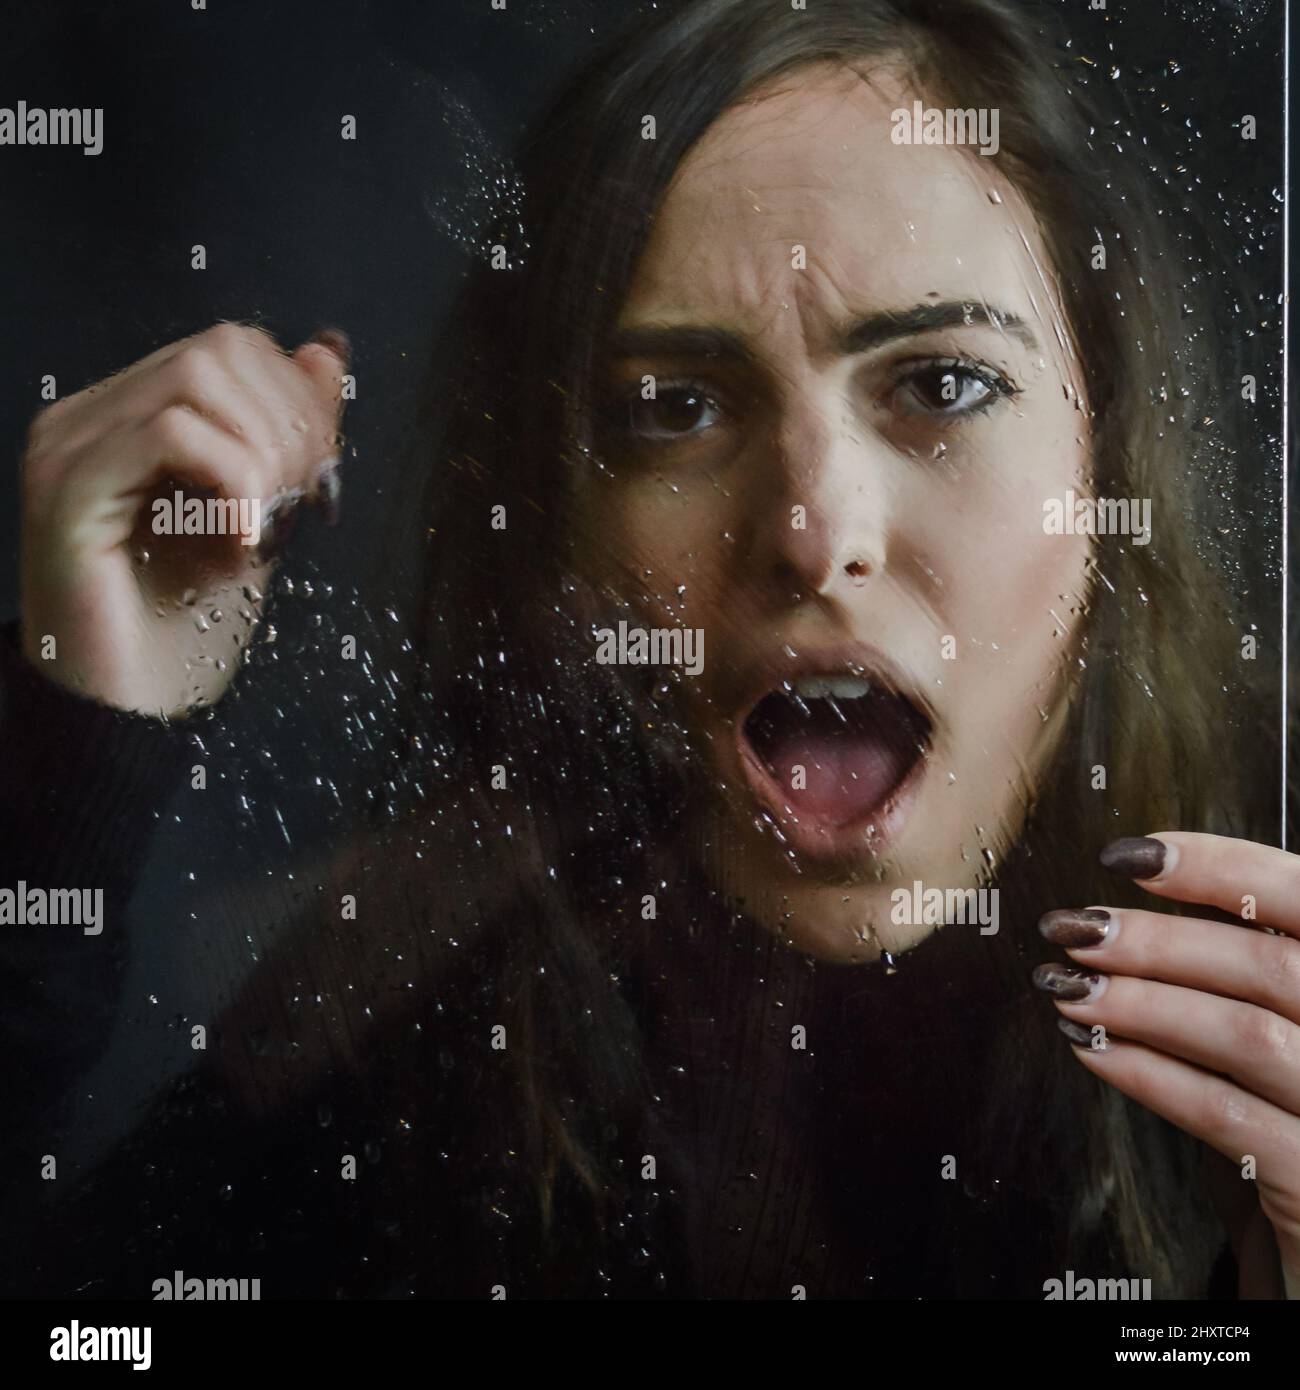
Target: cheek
1000, 578
1013, 596
1020, 589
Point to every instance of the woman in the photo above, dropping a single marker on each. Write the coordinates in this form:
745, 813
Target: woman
757, 380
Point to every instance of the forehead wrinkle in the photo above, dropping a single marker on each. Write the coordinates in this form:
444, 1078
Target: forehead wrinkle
817, 297
747, 285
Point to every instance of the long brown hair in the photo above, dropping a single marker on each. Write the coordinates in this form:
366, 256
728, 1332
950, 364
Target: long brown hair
1152, 677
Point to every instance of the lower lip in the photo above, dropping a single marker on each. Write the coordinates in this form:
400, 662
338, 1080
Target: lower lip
870, 835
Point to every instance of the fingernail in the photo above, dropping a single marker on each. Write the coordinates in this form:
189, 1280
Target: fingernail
1066, 981
279, 516
336, 340
1135, 857
1081, 1036
1075, 929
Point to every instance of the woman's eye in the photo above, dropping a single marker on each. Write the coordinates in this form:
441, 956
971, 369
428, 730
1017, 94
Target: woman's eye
674, 412
950, 389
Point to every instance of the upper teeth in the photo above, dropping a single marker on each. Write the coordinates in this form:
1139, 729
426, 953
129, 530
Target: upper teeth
832, 687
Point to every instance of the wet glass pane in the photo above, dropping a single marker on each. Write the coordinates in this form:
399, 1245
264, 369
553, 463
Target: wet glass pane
630, 624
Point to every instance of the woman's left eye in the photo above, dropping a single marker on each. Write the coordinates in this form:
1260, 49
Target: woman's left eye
950, 388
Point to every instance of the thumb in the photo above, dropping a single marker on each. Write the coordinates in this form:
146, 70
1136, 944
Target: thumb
325, 356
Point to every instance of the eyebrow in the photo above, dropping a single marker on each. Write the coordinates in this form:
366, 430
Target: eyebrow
870, 331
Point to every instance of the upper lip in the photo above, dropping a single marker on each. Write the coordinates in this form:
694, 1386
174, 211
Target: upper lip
847, 659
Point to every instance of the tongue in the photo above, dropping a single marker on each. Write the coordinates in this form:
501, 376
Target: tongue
842, 778
834, 776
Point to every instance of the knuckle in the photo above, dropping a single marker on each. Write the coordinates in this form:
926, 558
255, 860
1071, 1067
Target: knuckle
228, 337
1279, 963
194, 371
45, 422
36, 446
1145, 942
1221, 1111
221, 335
172, 429
253, 335
44, 453
1261, 1033
41, 421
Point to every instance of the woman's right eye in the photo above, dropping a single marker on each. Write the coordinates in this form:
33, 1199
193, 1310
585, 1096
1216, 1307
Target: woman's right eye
675, 412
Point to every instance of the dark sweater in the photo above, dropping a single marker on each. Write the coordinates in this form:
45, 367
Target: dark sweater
348, 1129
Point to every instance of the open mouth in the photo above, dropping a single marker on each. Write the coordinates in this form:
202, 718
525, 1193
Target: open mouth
836, 748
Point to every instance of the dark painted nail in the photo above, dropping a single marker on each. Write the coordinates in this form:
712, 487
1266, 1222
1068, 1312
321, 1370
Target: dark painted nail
1065, 981
1079, 1035
336, 340
1075, 929
1134, 857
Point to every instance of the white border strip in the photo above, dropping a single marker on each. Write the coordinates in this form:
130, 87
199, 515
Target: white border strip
1286, 407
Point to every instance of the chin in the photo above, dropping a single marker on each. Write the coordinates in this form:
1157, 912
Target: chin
840, 926
855, 906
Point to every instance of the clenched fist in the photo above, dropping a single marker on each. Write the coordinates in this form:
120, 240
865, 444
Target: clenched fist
116, 604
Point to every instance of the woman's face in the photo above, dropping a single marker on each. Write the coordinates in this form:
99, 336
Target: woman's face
863, 397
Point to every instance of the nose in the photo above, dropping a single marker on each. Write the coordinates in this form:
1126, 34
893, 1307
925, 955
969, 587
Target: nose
826, 526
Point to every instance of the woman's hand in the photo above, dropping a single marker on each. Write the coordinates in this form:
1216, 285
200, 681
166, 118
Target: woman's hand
1200, 1020
116, 608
